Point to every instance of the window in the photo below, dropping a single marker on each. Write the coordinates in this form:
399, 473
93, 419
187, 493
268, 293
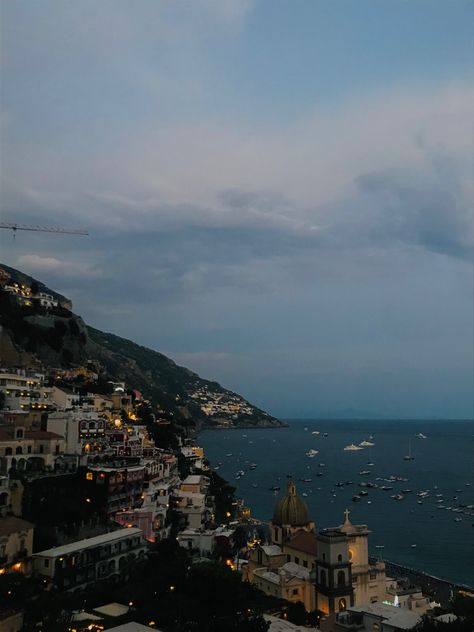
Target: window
294, 591
354, 580
297, 560
19, 433
19, 450
90, 476
56, 449
322, 578
342, 605
46, 563
373, 575
305, 563
29, 449
8, 451
341, 578
324, 556
41, 449
288, 558
339, 558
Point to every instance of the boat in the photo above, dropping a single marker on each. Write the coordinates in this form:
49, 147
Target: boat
311, 453
386, 488
230, 454
363, 472
420, 435
363, 493
325, 434
370, 464
398, 497
304, 494
306, 480
355, 498
366, 444
274, 488
252, 466
409, 457
352, 448
457, 519
315, 432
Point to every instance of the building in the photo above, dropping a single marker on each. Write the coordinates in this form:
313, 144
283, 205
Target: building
84, 563
22, 449
16, 543
369, 617
112, 488
291, 514
334, 562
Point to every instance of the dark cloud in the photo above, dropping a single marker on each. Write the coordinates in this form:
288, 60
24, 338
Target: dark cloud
429, 214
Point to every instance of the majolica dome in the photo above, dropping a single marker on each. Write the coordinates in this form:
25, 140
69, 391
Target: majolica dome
291, 509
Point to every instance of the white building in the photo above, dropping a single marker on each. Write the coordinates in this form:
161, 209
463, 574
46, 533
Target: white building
85, 562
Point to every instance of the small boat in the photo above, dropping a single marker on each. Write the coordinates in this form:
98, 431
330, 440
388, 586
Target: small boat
386, 488
304, 494
315, 432
252, 466
407, 491
399, 497
457, 519
274, 488
409, 456
363, 472
355, 498
413, 546
254, 485
306, 480
363, 493
311, 453
366, 444
321, 464
420, 435
325, 434
352, 448
371, 464
230, 454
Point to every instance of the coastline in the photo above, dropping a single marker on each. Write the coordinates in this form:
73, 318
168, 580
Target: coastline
440, 589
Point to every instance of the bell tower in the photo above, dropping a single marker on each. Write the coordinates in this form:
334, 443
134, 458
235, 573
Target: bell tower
333, 573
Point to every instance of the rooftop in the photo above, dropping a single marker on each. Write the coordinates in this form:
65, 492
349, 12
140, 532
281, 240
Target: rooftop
303, 541
89, 543
397, 617
10, 524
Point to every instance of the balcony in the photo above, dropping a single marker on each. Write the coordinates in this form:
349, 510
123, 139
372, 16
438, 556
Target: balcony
21, 554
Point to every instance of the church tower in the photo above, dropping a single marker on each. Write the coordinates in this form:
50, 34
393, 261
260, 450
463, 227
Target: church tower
291, 514
333, 572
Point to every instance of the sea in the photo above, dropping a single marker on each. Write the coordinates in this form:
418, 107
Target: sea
434, 534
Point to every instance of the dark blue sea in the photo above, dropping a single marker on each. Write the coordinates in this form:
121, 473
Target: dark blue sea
431, 537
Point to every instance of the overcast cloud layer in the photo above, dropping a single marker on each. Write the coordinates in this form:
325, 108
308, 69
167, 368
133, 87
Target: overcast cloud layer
279, 199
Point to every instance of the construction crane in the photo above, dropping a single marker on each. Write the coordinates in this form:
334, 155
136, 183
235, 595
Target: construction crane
43, 229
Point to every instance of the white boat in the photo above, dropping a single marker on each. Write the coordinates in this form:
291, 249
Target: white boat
315, 432
311, 453
366, 444
409, 457
420, 435
352, 447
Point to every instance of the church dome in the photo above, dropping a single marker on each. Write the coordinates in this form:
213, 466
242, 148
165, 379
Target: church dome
291, 509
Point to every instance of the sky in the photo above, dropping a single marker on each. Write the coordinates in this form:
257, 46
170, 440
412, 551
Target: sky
278, 193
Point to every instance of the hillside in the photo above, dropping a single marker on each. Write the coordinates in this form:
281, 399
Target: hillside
58, 338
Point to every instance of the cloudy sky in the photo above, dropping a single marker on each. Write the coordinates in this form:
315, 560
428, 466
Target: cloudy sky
278, 193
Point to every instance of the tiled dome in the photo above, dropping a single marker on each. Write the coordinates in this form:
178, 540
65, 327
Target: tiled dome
291, 509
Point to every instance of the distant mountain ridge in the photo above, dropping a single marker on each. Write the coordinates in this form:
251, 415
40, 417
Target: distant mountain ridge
60, 338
